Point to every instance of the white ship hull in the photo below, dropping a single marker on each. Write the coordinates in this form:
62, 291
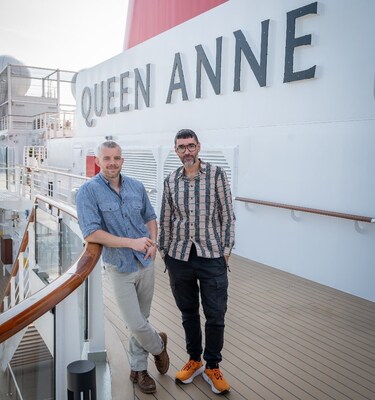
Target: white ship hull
300, 134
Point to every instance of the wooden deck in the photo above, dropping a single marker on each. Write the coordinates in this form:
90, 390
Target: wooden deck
286, 338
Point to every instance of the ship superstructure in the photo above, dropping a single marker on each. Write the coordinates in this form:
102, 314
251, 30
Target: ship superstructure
281, 94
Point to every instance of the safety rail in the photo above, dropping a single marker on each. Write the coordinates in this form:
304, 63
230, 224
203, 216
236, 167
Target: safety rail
353, 217
57, 184
16, 274
52, 183
30, 309
15, 269
64, 282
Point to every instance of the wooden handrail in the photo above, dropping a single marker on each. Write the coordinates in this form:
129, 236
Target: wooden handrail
38, 198
20, 316
30, 309
353, 217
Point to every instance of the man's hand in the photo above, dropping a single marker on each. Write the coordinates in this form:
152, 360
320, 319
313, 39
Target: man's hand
142, 244
151, 252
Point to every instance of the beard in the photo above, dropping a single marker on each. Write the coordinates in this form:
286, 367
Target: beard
111, 173
189, 161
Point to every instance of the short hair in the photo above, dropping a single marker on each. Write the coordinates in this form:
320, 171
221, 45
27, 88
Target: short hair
185, 134
109, 144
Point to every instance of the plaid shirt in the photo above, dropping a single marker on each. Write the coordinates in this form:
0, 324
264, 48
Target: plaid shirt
198, 211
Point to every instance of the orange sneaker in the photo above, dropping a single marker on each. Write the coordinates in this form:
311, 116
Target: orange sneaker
189, 371
215, 379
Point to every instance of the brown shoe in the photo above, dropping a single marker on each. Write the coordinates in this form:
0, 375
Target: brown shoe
145, 383
162, 359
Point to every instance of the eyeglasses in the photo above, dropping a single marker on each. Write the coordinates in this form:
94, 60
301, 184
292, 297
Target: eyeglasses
182, 148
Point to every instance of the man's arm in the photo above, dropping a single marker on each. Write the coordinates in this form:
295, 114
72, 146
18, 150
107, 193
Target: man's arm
165, 221
152, 227
228, 217
108, 240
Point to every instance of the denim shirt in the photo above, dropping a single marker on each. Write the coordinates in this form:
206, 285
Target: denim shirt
99, 207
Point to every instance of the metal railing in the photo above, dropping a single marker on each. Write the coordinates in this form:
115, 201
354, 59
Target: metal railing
353, 217
27, 311
48, 305
15, 291
49, 124
28, 182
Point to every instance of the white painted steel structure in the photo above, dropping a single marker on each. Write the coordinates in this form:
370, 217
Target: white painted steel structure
309, 142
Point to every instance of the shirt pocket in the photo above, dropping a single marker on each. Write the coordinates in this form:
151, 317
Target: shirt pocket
136, 209
111, 213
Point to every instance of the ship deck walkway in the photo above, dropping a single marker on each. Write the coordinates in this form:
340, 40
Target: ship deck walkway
286, 338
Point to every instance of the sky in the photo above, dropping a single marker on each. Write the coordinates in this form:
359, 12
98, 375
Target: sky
62, 34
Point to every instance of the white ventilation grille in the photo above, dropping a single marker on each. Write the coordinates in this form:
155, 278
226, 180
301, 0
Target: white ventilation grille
141, 165
212, 156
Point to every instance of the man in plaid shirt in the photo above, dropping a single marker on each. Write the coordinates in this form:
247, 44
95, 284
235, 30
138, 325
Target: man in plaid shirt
195, 241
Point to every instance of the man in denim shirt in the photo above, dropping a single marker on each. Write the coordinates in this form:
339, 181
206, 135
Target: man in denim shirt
114, 210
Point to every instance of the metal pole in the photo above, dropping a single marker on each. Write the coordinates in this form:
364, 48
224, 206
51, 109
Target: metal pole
60, 239
9, 77
58, 99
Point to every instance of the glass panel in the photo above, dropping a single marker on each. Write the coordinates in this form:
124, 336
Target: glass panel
82, 315
30, 354
71, 243
47, 245
58, 244
31, 366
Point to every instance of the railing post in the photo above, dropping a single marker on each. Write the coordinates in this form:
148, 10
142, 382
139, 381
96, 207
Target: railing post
18, 179
6, 303
9, 78
60, 244
68, 338
12, 291
35, 234
31, 233
32, 188
96, 350
69, 188
21, 283
23, 176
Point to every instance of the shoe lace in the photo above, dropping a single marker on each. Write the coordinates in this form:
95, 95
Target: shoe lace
144, 374
217, 374
188, 365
